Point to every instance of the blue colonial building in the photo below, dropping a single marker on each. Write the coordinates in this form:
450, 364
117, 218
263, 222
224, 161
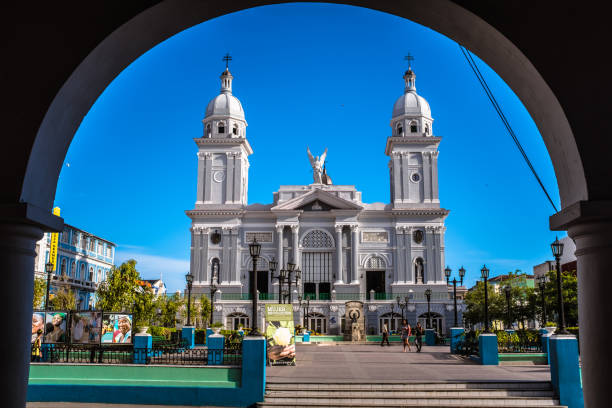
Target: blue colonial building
83, 261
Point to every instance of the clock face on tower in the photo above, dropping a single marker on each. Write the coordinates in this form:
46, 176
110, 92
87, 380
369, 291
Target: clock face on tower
218, 176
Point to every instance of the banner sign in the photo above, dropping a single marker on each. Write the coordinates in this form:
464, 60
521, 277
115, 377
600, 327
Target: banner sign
117, 328
85, 327
280, 334
54, 240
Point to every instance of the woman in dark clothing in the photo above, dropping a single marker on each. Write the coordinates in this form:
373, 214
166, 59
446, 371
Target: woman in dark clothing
406, 332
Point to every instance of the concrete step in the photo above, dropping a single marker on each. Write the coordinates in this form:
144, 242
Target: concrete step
413, 404
433, 393
424, 402
411, 386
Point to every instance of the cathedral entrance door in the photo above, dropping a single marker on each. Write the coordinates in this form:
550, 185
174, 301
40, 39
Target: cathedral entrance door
375, 280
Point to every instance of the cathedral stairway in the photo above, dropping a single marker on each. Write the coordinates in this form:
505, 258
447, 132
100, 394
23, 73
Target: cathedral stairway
413, 394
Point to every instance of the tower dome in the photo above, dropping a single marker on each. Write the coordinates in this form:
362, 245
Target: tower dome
224, 115
411, 112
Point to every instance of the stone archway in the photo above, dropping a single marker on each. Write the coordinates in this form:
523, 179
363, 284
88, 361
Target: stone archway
66, 94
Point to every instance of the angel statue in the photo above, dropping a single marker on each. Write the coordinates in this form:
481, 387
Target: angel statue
317, 166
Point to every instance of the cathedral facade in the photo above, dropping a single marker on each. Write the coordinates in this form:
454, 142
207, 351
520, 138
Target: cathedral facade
384, 255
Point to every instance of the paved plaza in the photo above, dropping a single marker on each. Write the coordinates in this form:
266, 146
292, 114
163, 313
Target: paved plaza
372, 363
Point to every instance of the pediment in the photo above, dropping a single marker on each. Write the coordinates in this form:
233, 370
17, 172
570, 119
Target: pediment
317, 200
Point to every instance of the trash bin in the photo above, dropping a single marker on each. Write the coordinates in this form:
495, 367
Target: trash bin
306, 337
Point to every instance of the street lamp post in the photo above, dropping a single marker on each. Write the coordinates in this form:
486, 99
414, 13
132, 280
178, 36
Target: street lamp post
280, 277
402, 305
254, 250
428, 295
49, 270
306, 304
297, 275
542, 285
189, 279
213, 289
557, 250
484, 273
447, 272
508, 292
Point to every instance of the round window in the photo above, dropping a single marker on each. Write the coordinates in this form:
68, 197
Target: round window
415, 177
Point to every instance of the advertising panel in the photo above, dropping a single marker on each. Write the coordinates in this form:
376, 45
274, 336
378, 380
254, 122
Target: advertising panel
280, 334
54, 240
38, 323
55, 327
85, 327
117, 328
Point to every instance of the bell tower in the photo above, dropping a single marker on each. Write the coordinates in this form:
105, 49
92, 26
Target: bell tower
223, 151
413, 151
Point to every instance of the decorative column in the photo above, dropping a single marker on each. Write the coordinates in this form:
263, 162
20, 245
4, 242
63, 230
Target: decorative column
234, 265
435, 196
429, 257
225, 255
208, 158
340, 274
427, 177
399, 254
295, 244
203, 262
237, 182
408, 269
355, 253
397, 178
202, 181
437, 274
405, 178
192, 252
279, 246
17, 254
229, 179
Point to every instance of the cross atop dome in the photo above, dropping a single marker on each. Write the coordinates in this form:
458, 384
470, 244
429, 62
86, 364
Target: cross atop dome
409, 76
409, 58
226, 76
227, 58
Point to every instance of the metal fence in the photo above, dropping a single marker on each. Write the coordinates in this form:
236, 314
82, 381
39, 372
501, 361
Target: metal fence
163, 355
522, 345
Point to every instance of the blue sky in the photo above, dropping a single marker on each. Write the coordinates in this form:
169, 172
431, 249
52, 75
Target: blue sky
315, 75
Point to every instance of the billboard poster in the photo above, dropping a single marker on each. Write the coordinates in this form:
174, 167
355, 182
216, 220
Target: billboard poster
117, 328
55, 327
280, 334
85, 327
38, 323
54, 240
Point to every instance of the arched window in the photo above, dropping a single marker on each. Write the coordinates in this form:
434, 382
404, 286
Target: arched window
427, 128
235, 321
221, 127
317, 239
99, 275
72, 271
235, 129
208, 132
437, 322
63, 266
91, 274
375, 262
400, 129
413, 127
82, 272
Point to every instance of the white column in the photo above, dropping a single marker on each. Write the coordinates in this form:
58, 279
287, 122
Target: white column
234, 265
339, 272
405, 177
17, 256
208, 177
355, 253
192, 255
399, 253
229, 179
203, 250
408, 269
225, 255
429, 258
238, 178
435, 195
201, 179
279, 246
397, 178
437, 255
294, 242
427, 177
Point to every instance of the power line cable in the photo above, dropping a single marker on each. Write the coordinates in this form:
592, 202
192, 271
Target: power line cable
468, 56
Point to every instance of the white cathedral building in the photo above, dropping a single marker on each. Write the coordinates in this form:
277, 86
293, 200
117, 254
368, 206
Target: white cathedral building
346, 249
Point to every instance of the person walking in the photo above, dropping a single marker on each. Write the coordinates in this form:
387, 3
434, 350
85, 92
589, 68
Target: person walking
418, 334
385, 335
406, 332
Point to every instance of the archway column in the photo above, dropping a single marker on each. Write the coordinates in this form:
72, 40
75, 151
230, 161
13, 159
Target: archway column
589, 224
17, 254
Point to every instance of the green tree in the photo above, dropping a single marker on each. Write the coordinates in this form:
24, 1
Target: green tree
40, 290
474, 301
118, 292
205, 308
63, 299
569, 289
144, 307
169, 307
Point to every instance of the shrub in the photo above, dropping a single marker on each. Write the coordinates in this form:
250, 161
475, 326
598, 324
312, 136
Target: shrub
160, 331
